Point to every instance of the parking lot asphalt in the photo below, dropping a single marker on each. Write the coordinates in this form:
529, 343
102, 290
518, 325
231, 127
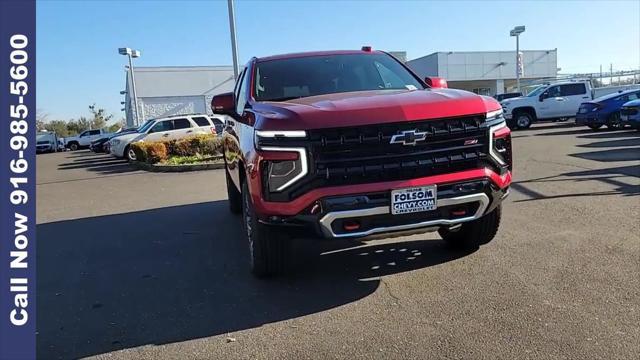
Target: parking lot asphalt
137, 265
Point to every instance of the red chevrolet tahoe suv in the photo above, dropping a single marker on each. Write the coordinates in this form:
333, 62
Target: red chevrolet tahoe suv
352, 144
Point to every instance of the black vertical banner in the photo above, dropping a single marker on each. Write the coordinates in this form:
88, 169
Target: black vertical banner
17, 179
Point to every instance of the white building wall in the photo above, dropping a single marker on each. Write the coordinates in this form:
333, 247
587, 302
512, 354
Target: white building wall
486, 65
496, 65
155, 107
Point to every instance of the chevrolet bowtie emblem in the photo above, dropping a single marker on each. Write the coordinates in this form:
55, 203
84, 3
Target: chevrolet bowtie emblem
408, 137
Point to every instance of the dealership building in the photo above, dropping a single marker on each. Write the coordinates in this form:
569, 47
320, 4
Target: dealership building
173, 90
487, 72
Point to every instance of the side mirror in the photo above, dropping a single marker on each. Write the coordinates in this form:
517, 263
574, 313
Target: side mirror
436, 82
542, 96
223, 104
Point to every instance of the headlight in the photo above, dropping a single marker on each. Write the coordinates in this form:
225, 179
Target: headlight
287, 162
500, 139
494, 115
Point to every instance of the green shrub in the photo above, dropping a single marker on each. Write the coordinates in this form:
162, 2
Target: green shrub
206, 144
203, 145
156, 152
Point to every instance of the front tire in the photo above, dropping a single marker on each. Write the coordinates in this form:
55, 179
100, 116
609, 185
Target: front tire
269, 249
129, 154
73, 146
523, 120
234, 196
613, 123
474, 233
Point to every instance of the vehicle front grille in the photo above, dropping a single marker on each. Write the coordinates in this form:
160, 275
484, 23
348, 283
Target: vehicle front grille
356, 155
365, 154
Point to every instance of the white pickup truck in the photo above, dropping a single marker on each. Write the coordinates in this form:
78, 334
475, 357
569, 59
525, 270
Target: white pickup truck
547, 102
85, 138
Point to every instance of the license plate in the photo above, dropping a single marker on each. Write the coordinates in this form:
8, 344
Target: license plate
412, 200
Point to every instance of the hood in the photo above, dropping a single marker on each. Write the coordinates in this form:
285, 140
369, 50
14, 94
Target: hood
516, 99
127, 136
369, 107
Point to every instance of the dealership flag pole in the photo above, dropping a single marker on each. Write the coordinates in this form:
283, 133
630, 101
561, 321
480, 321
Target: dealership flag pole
234, 46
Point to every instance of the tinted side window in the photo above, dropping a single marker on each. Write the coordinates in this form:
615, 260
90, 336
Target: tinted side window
181, 124
238, 81
572, 89
241, 98
166, 125
201, 121
553, 91
94, 132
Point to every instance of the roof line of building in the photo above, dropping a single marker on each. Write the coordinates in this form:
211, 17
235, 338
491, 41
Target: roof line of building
184, 68
481, 51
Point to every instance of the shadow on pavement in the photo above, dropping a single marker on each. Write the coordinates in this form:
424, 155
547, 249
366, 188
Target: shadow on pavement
603, 134
625, 142
178, 273
99, 163
625, 148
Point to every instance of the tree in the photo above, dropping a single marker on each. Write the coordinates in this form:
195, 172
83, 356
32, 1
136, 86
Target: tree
41, 119
57, 126
100, 119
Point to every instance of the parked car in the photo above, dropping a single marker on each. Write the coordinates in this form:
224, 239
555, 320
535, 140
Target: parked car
102, 144
46, 141
630, 114
353, 144
505, 96
547, 102
169, 128
97, 146
605, 110
84, 139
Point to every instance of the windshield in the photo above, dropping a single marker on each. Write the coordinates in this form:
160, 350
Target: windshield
280, 80
145, 126
537, 91
44, 136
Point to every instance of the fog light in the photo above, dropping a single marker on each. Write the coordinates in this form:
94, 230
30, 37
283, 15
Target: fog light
458, 212
351, 225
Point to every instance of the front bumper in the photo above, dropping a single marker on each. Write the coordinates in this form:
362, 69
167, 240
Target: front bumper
461, 200
589, 119
117, 150
43, 148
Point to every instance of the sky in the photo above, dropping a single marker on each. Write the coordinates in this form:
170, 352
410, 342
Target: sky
78, 63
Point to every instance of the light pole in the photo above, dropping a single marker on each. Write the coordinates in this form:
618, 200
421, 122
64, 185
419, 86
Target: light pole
234, 46
516, 31
130, 53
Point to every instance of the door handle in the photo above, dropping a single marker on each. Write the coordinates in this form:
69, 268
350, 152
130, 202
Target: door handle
165, 135
189, 131
585, 97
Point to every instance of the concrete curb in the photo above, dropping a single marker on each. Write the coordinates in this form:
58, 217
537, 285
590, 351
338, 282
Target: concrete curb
177, 168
